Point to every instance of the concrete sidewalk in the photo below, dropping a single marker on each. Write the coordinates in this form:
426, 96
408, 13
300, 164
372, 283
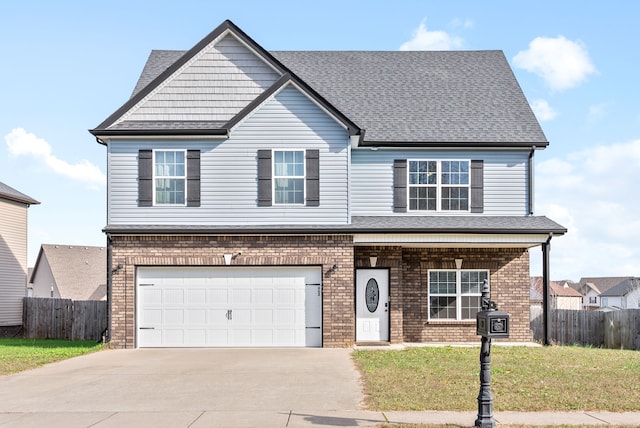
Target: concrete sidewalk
299, 419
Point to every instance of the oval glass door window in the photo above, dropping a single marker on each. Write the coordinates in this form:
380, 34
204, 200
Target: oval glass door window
372, 295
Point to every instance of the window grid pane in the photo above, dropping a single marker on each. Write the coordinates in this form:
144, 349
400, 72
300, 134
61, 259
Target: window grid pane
439, 185
455, 295
170, 172
289, 177
442, 308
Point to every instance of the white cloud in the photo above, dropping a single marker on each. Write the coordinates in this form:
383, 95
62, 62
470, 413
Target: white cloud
561, 62
22, 143
543, 110
424, 40
593, 193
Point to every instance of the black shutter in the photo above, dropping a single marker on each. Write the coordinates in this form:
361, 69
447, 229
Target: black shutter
193, 178
477, 186
264, 178
313, 178
145, 178
400, 185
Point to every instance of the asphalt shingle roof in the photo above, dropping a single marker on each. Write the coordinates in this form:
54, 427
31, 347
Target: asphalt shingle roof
409, 96
622, 288
80, 272
10, 193
378, 224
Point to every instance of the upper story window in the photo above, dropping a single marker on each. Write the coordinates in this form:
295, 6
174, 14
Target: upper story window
288, 176
169, 177
439, 185
455, 295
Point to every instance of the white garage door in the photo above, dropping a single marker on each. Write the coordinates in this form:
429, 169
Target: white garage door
217, 307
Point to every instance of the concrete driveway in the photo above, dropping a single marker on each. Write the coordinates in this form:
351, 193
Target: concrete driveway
184, 388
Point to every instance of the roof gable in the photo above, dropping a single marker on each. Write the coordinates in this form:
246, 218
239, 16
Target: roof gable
80, 272
623, 288
206, 90
213, 85
430, 98
397, 99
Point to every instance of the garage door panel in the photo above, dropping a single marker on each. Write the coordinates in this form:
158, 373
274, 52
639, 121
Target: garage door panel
150, 317
173, 337
241, 316
218, 297
263, 296
150, 336
217, 317
173, 316
218, 337
196, 316
196, 337
263, 316
196, 296
220, 306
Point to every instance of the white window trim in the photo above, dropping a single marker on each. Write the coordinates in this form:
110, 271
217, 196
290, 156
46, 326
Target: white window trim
274, 177
458, 294
439, 186
155, 204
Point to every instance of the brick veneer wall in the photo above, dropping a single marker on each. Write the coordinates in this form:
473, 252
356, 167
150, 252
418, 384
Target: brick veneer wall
325, 251
509, 278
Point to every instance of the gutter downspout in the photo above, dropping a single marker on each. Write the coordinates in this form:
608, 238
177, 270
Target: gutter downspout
546, 320
531, 187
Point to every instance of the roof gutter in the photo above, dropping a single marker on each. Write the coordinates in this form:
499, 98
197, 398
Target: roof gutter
455, 144
159, 230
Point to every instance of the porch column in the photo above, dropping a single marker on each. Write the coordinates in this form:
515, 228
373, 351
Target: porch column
546, 321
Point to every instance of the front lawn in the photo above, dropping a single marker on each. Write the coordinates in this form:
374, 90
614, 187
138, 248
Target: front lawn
22, 354
522, 378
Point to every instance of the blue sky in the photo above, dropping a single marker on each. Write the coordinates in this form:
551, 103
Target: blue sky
68, 65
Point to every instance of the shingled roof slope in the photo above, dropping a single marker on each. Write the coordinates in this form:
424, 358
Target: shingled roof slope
623, 288
80, 272
8, 192
398, 97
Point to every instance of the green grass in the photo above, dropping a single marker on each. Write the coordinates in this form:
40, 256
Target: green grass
23, 354
522, 378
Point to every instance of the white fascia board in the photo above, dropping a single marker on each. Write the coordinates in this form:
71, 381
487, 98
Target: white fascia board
452, 240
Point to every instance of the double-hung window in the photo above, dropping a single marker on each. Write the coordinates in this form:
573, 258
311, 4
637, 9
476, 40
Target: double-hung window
439, 185
455, 295
288, 176
169, 177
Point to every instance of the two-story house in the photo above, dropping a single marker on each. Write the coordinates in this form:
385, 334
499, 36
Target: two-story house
262, 198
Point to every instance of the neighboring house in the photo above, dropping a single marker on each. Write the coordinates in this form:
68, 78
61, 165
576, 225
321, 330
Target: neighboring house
592, 287
313, 198
561, 294
13, 253
624, 295
70, 272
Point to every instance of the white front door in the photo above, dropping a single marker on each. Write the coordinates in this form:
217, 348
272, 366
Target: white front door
372, 305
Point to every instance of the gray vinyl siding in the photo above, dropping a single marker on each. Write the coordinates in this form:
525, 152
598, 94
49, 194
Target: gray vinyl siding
13, 261
229, 173
214, 87
505, 180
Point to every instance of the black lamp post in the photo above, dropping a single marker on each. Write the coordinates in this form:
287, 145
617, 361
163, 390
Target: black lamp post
490, 323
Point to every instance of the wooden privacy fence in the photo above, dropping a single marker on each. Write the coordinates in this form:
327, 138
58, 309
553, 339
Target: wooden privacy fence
45, 318
613, 330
